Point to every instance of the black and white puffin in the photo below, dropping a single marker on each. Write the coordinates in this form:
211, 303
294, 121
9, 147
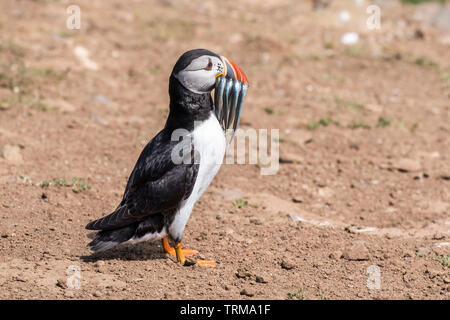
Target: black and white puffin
161, 191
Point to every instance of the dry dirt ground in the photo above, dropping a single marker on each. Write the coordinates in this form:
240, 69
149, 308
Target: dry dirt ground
363, 189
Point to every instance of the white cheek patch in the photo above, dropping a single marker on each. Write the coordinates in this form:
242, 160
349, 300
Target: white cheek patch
196, 78
199, 81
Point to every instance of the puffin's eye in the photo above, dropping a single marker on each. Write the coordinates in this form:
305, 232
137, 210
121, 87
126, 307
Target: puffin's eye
209, 66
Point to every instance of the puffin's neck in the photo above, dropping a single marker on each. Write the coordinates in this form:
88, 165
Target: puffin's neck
187, 106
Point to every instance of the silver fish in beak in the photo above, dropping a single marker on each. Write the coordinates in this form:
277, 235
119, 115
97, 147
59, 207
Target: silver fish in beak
230, 89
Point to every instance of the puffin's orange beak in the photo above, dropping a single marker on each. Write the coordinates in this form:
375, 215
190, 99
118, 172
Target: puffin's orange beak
233, 71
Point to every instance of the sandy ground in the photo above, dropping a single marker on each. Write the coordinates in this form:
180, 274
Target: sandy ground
359, 208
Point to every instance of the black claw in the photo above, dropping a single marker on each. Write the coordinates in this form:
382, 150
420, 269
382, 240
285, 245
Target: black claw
189, 262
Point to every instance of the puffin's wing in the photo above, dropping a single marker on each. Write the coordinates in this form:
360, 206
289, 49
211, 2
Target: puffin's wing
152, 197
156, 185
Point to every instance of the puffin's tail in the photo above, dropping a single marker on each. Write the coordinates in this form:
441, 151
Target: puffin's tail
107, 239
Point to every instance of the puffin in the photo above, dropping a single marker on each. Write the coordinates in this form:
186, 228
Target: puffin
176, 167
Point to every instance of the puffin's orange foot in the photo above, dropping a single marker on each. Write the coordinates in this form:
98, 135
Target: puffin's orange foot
168, 249
186, 252
181, 255
206, 263
202, 263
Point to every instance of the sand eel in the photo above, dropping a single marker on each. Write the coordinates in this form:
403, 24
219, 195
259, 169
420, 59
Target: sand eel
167, 179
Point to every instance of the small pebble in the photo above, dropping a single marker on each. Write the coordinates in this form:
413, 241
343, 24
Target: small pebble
97, 294
423, 251
260, 279
243, 274
357, 251
246, 292
287, 265
61, 283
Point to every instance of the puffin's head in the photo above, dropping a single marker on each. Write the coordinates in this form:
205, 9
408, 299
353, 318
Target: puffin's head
197, 70
200, 71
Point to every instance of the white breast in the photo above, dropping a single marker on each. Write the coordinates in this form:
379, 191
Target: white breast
209, 141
